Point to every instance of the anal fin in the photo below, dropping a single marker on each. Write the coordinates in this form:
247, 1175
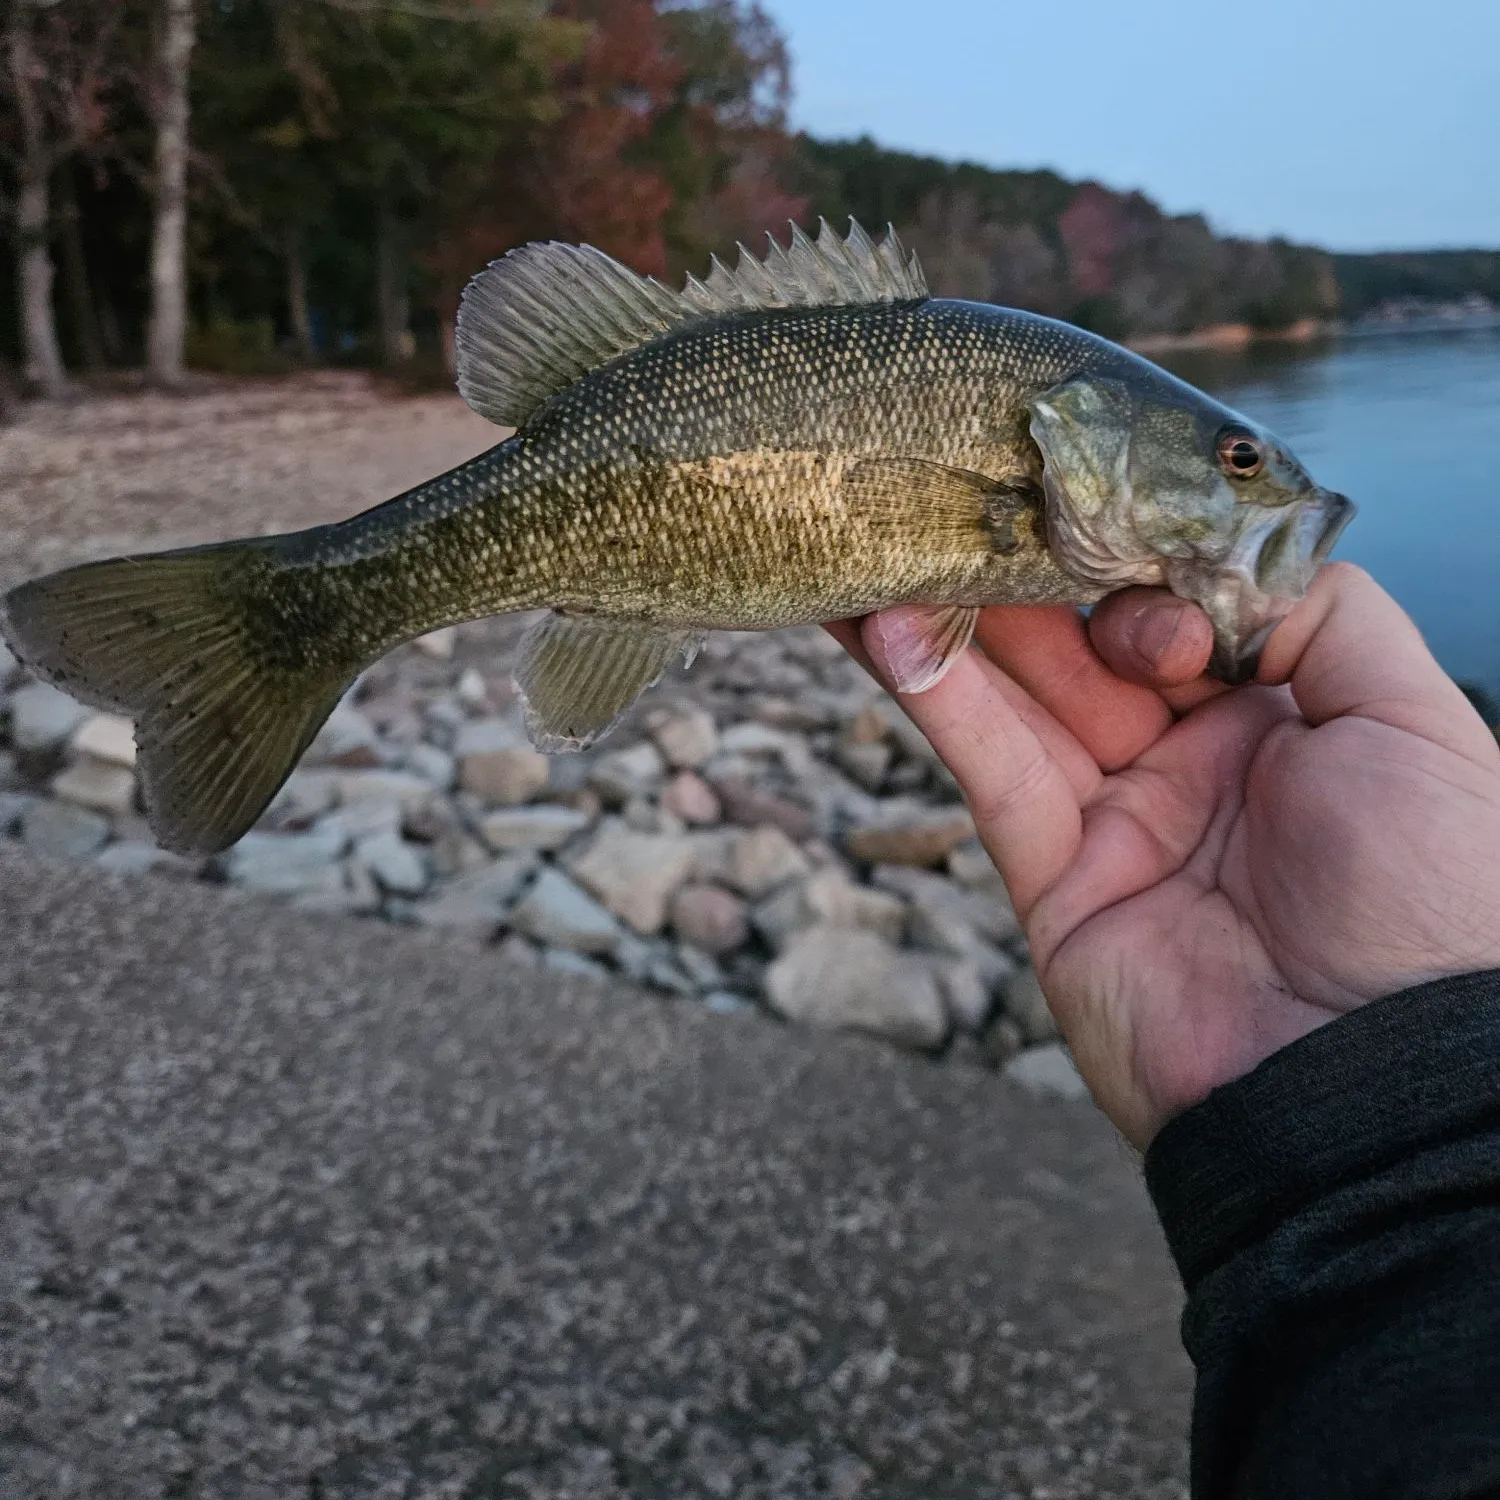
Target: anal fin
579, 673
919, 642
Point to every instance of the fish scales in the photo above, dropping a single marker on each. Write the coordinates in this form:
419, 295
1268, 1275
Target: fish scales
701, 480
806, 437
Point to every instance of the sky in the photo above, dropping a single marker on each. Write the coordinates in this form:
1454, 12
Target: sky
1354, 124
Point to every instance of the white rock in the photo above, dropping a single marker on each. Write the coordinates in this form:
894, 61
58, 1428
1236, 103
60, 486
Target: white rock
764, 858
472, 689
409, 792
832, 976
97, 785
971, 866
686, 737
8, 664
835, 900
562, 961
689, 798
1047, 1071
132, 857
498, 764
727, 1003
474, 903
699, 967
782, 915
634, 874
362, 819
1026, 1005
444, 717
643, 815
867, 763
634, 771
108, 738
438, 644
967, 995
557, 912
750, 738
942, 905
831, 899
434, 766
540, 826
12, 805
62, 829
304, 796
347, 738
287, 863
347, 889
42, 717
397, 866
635, 955
667, 974
713, 853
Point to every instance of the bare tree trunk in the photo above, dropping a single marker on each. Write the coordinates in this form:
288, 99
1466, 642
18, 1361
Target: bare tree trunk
76, 276
393, 311
110, 335
42, 355
296, 295
42, 361
168, 329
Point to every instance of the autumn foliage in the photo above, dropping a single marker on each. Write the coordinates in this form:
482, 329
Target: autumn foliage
351, 163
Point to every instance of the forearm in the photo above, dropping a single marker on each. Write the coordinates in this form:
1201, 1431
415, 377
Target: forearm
1336, 1218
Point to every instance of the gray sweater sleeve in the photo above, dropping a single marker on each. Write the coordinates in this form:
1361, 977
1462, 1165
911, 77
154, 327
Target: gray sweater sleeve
1335, 1216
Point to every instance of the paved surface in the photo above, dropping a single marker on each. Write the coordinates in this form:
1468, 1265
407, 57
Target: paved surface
299, 1209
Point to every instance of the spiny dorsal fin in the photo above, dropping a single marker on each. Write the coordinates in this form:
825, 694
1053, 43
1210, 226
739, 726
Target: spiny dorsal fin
535, 320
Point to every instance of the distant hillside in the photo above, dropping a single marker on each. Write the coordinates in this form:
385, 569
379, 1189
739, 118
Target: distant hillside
1112, 261
1368, 282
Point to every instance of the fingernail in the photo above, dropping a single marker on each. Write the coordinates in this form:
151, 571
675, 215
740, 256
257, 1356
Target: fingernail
1155, 628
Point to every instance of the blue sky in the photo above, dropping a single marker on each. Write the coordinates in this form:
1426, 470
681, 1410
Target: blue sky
1357, 124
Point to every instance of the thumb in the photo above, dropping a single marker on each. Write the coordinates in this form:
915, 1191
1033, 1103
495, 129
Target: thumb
1349, 650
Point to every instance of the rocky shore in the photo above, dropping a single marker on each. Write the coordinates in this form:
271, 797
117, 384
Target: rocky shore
767, 830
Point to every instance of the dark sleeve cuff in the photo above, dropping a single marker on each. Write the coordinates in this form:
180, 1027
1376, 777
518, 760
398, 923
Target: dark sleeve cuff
1382, 1083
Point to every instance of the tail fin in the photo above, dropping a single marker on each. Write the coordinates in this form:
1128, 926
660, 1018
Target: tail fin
178, 642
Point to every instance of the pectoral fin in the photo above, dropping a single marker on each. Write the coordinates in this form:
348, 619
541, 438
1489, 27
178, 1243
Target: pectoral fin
578, 674
948, 506
919, 642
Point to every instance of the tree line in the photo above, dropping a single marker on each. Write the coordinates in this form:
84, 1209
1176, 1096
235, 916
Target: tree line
255, 184
202, 180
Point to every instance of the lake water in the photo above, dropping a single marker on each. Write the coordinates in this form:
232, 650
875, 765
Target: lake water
1408, 426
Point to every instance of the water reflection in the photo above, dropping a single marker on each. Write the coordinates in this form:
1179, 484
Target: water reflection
1408, 425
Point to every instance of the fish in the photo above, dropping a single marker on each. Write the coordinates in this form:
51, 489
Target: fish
807, 436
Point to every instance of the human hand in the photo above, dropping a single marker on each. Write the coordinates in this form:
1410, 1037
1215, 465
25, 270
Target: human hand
1207, 874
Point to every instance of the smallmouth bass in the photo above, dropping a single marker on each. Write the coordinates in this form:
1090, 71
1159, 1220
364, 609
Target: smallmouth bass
802, 438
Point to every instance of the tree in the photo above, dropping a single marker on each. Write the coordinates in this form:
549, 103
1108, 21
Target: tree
60, 66
168, 327
375, 123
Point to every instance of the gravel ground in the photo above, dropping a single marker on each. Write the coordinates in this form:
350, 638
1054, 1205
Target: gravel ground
294, 1208
305, 1206
113, 472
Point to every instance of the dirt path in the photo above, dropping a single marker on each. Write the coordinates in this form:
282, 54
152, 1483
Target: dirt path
114, 472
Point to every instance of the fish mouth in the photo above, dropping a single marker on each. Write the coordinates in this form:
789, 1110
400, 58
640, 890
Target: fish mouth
1249, 593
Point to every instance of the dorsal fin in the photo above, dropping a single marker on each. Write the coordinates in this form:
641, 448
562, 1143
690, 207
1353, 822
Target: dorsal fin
536, 319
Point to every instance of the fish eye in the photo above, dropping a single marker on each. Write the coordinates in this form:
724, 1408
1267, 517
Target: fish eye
1240, 454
